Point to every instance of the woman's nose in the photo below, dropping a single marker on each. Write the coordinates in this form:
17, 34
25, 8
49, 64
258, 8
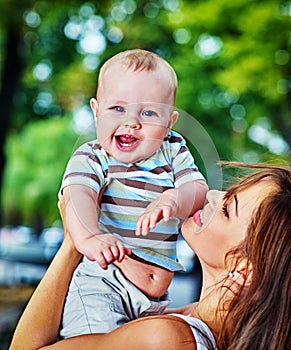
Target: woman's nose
214, 196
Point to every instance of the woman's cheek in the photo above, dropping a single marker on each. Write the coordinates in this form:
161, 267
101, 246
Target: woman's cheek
189, 232
187, 226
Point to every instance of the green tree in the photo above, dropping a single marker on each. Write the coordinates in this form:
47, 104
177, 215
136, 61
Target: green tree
37, 160
232, 59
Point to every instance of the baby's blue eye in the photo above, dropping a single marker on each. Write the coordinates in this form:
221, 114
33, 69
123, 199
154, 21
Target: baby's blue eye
149, 113
118, 108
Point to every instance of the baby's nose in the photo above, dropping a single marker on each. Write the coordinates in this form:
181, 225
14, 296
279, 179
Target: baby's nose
133, 123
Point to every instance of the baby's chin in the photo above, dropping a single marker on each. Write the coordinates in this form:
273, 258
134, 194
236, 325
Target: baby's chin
126, 157
130, 157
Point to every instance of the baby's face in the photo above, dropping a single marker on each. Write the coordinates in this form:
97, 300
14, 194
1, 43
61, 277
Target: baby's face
134, 112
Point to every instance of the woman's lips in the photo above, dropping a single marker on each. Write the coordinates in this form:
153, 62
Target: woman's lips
198, 217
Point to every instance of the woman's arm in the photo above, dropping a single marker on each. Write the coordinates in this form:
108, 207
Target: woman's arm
39, 324
149, 333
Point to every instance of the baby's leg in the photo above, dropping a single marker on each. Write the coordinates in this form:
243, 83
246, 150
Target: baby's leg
100, 300
92, 305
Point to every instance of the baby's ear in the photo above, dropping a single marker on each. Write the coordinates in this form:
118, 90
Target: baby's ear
174, 118
94, 107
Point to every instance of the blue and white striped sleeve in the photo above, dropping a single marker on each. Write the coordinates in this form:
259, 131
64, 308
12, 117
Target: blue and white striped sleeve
84, 168
184, 167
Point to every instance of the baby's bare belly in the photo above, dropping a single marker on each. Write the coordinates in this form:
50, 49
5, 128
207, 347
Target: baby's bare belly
150, 279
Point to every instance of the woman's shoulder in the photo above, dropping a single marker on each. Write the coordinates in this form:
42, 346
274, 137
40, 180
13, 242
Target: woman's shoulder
202, 333
175, 331
158, 332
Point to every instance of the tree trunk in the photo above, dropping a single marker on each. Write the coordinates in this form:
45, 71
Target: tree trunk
11, 73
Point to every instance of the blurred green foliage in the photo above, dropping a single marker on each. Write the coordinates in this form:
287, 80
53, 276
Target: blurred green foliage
232, 59
37, 156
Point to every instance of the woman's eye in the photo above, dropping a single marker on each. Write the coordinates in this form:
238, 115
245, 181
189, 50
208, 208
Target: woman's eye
225, 211
149, 113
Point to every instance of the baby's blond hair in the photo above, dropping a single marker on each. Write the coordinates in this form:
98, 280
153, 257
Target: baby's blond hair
138, 60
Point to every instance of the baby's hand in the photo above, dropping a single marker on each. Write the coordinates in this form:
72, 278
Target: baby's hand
104, 249
161, 208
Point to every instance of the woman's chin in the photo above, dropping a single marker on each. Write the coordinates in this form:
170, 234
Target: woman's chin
190, 227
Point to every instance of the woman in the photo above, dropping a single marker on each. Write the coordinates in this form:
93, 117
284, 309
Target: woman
243, 240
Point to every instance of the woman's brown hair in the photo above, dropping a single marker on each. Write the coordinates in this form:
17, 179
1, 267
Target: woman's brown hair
259, 314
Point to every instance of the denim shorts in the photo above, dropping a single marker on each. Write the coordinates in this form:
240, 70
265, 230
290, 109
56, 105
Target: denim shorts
99, 301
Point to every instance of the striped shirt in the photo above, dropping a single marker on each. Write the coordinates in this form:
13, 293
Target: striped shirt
128, 190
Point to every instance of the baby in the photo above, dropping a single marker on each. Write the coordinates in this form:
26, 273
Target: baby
124, 196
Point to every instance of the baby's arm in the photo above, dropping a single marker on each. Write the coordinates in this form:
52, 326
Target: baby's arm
80, 210
180, 202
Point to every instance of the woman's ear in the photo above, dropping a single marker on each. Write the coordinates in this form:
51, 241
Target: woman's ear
94, 107
242, 276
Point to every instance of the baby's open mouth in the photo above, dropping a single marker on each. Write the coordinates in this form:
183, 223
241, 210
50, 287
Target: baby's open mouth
126, 140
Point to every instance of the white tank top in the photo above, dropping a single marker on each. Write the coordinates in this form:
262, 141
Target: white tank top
196, 325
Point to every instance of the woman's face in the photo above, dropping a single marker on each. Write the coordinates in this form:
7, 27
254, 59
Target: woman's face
221, 225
